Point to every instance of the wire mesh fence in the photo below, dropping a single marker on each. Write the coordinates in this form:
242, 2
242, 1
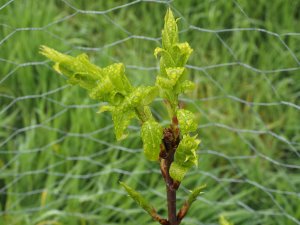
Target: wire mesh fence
59, 161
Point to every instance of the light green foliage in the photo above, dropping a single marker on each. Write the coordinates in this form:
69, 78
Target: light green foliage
170, 31
138, 198
187, 121
223, 221
141, 96
172, 82
96, 31
107, 84
173, 57
132, 106
104, 84
152, 134
121, 118
195, 193
126, 102
185, 157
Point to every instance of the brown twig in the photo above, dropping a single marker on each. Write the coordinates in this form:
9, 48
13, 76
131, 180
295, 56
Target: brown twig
157, 218
182, 212
170, 143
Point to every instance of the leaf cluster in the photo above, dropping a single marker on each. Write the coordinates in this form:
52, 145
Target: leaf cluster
126, 102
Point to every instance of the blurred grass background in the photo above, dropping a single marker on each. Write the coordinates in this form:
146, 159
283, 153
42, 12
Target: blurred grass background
59, 161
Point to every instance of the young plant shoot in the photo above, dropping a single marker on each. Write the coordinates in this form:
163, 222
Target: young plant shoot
173, 147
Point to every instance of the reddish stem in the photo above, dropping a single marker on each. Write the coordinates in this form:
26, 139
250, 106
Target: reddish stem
170, 143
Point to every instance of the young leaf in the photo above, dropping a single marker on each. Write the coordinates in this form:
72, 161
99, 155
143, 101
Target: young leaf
141, 96
103, 90
182, 52
177, 171
152, 134
121, 118
186, 86
139, 199
185, 157
187, 121
173, 57
192, 197
164, 83
174, 73
195, 193
78, 69
170, 31
107, 84
116, 74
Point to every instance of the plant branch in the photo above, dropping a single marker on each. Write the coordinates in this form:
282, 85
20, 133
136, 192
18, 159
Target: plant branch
183, 211
170, 143
187, 204
159, 219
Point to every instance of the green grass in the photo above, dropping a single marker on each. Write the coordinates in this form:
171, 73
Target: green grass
59, 160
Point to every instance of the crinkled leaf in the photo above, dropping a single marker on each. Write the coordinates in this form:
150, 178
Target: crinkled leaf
141, 96
108, 84
103, 90
177, 171
138, 198
185, 157
170, 31
83, 80
152, 134
195, 193
174, 73
166, 57
167, 84
78, 69
173, 57
147, 112
186, 151
186, 86
148, 94
182, 52
116, 73
121, 118
166, 60
187, 121
164, 83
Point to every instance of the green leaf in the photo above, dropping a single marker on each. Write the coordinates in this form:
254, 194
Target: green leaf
174, 73
185, 157
186, 86
152, 134
170, 31
141, 96
105, 84
103, 90
105, 108
121, 118
173, 57
182, 52
116, 74
187, 121
157, 51
177, 171
195, 193
164, 83
78, 69
166, 60
139, 199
